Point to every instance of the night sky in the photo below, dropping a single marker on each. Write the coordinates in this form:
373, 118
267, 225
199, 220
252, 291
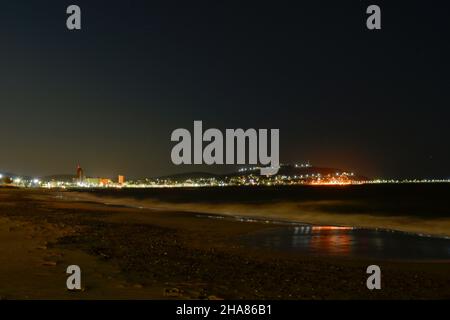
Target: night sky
109, 96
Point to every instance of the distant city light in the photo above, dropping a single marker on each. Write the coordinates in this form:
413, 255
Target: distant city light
312, 176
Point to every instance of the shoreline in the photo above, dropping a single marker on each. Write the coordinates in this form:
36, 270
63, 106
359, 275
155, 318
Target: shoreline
275, 222
440, 227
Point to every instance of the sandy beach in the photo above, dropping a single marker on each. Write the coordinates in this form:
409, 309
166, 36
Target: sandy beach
130, 253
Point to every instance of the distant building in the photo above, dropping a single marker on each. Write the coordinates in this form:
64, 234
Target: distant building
93, 181
105, 181
98, 182
121, 179
80, 174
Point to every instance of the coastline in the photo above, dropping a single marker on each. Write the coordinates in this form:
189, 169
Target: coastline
127, 253
291, 212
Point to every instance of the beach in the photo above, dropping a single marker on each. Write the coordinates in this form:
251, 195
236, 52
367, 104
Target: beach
127, 250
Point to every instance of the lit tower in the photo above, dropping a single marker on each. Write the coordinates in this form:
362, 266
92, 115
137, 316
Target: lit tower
80, 174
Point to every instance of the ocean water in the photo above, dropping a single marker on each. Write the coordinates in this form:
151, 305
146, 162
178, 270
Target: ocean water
351, 242
411, 200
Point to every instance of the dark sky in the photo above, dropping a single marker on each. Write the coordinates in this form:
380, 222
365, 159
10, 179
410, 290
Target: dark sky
109, 96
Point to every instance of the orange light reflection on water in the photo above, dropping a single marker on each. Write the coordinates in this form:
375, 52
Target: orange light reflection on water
340, 243
324, 228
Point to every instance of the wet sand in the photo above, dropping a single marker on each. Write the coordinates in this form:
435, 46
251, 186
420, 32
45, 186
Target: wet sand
127, 253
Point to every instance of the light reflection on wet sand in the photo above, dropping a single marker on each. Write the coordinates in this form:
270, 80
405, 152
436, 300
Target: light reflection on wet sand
352, 242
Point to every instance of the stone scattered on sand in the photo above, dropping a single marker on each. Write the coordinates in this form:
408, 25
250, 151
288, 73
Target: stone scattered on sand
77, 290
172, 292
55, 255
